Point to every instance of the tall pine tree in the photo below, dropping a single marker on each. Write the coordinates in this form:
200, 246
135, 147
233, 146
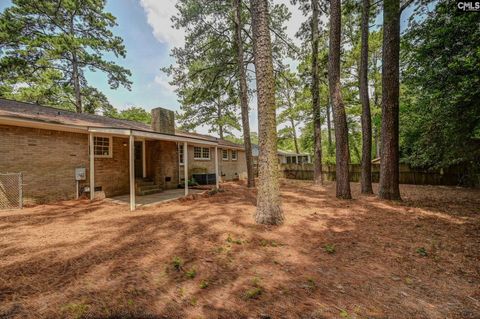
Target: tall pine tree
65, 36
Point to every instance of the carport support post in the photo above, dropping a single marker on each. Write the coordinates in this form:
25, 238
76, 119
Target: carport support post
131, 163
185, 166
92, 167
216, 167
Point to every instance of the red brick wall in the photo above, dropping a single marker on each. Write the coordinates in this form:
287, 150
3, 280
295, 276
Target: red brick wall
112, 173
162, 162
48, 160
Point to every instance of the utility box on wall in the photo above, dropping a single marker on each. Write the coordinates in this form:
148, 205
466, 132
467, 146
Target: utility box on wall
80, 174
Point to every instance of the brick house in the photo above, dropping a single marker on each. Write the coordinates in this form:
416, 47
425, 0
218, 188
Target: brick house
53, 148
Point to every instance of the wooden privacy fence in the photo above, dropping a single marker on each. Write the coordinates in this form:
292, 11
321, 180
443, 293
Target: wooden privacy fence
453, 176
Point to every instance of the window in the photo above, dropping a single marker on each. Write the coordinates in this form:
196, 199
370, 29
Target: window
291, 159
206, 153
234, 155
201, 153
303, 159
102, 146
225, 155
180, 154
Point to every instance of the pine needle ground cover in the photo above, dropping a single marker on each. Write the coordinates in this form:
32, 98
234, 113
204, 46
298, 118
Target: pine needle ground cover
206, 258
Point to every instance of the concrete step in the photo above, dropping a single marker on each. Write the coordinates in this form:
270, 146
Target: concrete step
144, 183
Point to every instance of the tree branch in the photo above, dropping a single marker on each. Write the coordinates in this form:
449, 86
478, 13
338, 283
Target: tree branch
405, 5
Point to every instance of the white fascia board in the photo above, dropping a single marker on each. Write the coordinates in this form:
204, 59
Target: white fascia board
225, 147
109, 131
6, 120
173, 138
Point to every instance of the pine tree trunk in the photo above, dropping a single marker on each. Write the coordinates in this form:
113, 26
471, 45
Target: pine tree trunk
292, 123
376, 131
317, 126
219, 119
243, 93
329, 128
76, 84
75, 72
340, 118
295, 139
389, 170
366, 167
268, 196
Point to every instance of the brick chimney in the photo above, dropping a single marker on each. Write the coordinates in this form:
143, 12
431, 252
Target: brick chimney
163, 121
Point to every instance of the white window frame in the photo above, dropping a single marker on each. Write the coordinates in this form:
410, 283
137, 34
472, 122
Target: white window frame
223, 155
203, 153
181, 156
236, 155
202, 158
110, 146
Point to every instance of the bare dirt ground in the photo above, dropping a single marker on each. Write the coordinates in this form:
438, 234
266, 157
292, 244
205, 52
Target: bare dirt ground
205, 258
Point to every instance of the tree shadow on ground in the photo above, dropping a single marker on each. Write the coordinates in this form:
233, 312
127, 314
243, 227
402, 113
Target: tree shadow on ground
206, 258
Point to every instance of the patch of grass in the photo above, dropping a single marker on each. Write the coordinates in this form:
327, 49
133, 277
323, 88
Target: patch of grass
344, 314
227, 249
422, 251
194, 301
233, 241
204, 284
181, 292
192, 273
253, 293
177, 263
329, 248
271, 243
311, 283
76, 310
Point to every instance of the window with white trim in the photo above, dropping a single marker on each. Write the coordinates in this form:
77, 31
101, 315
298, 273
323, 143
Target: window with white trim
234, 155
102, 146
180, 154
206, 153
201, 153
225, 155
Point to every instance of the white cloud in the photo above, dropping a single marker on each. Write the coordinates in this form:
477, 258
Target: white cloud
162, 81
158, 17
159, 14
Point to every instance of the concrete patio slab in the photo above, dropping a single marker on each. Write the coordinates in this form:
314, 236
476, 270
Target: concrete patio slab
153, 199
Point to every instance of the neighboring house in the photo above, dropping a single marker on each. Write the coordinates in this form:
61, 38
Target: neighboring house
284, 157
50, 147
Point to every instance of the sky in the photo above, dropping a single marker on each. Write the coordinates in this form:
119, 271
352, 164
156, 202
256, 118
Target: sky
145, 27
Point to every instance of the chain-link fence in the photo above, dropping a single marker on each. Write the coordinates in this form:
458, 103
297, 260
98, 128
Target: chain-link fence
11, 191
